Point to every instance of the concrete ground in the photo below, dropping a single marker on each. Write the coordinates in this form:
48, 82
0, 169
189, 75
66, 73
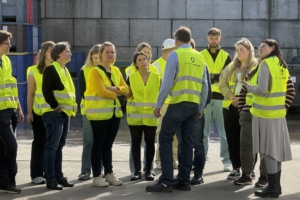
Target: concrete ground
215, 184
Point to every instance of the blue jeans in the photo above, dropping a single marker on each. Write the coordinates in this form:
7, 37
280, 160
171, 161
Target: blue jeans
8, 144
215, 110
199, 155
87, 146
180, 116
57, 127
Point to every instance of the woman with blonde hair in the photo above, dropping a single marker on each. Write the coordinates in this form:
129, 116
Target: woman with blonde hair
35, 101
230, 85
92, 61
102, 106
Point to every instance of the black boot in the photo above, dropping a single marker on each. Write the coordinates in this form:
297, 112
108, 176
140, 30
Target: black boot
53, 185
272, 189
149, 176
64, 182
279, 186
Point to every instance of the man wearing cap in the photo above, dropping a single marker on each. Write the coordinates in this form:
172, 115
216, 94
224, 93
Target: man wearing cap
167, 47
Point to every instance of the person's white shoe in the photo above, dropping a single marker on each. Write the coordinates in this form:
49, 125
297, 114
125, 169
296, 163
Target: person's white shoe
227, 167
112, 180
100, 181
38, 180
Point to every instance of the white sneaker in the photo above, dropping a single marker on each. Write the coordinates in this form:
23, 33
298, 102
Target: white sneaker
112, 180
227, 167
234, 174
100, 182
38, 180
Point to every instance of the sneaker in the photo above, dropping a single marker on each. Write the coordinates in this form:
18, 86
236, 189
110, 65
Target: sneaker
227, 167
197, 179
252, 175
100, 182
178, 186
38, 180
158, 166
175, 165
84, 176
112, 180
262, 181
234, 174
8, 188
159, 187
243, 180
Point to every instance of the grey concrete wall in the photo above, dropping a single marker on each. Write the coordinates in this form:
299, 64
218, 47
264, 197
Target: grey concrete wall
126, 23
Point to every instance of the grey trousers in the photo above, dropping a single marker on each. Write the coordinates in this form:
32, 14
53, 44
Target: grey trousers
246, 148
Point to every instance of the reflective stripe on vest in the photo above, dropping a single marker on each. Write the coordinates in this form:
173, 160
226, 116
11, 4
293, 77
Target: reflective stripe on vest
141, 105
272, 104
97, 108
231, 85
66, 97
8, 86
215, 67
188, 82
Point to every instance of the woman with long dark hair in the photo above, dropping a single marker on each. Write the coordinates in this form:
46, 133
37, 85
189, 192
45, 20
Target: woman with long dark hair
269, 129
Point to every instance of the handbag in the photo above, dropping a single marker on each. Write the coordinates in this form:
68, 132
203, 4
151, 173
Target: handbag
122, 98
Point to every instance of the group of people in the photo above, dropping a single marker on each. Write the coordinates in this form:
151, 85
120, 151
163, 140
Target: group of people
176, 98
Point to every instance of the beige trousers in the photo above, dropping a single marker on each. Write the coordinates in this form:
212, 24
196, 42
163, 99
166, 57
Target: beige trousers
175, 141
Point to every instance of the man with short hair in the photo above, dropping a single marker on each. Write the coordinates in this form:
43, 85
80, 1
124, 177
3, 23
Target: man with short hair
167, 47
10, 114
216, 59
186, 82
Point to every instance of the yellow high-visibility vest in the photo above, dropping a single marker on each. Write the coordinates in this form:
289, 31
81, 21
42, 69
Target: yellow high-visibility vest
97, 108
188, 82
39, 104
141, 105
86, 71
132, 69
66, 97
215, 67
272, 104
160, 64
8, 86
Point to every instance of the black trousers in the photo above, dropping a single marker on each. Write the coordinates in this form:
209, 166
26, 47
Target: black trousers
136, 139
232, 129
104, 134
38, 147
8, 144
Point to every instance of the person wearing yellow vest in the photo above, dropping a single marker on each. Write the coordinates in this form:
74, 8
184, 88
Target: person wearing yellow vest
230, 84
11, 114
102, 107
59, 92
145, 48
216, 59
143, 91
269, 129
186, 81
35, 102
167, 47
91, 62
199, 154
